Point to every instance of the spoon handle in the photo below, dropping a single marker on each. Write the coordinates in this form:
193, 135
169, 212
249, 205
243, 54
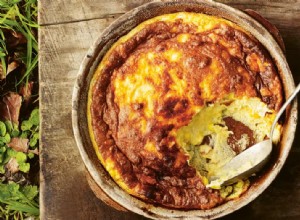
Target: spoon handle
282, 109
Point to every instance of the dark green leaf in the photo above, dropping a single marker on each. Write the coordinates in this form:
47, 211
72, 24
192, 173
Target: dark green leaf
11, 152
6, 139
18, 206
9, 126
25, 134
26, 125
2, 129
15, 133
2, 169
32, 142
21, 157
30, 192
2, 150
24, 167
30, 155
34, 117
18, 198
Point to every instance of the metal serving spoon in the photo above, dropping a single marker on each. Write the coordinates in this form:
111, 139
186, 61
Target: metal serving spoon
251, 160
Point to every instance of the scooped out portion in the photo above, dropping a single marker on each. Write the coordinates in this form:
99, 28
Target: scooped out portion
220, 131
174, 99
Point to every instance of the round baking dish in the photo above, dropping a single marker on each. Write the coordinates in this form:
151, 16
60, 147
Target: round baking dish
100, 180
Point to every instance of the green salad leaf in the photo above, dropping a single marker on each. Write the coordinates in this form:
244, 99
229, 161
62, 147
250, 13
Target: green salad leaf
21, 199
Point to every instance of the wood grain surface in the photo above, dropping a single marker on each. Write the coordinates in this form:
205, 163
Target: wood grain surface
68, 29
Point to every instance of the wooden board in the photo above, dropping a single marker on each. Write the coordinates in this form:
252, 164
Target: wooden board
68, 29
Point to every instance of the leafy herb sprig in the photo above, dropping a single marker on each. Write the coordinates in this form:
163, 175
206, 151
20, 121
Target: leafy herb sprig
18, 200
15, 200
19, 16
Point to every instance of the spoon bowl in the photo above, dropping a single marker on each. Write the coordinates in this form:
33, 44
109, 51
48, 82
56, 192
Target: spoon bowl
243, 165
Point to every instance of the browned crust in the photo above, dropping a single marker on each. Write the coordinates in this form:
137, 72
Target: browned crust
169, 180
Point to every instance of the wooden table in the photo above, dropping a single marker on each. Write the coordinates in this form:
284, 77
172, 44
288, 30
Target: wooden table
68, 29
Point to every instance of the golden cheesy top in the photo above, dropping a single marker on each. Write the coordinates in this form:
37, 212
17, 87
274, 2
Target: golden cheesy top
175, 98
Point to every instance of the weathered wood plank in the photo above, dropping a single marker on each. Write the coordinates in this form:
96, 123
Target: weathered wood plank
64, 190
53, 12
283, 14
